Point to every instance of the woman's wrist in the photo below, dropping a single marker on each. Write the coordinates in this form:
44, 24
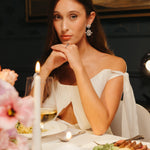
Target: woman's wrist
45, 71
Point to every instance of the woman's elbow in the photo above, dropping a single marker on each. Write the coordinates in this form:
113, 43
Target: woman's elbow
100, 130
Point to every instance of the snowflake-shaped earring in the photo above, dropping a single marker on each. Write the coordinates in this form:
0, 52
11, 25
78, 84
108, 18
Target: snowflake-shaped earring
88, 31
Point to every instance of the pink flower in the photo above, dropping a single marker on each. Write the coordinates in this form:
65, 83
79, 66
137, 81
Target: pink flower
10, 140
13, 108
6, 92
8, 98
18, 142
25, 110
22, 143
4, 139
8, 75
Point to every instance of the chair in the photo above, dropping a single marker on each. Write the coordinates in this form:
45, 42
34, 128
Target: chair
143, 122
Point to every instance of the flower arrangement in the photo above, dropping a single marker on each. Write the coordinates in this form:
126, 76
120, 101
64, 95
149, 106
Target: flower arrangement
13, 109
8, 75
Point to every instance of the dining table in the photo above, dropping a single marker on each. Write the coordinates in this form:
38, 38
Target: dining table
83, 141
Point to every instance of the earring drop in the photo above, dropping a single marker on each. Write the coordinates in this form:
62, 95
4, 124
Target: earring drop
88, 32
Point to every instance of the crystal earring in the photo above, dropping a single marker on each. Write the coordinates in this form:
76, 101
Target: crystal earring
88, 31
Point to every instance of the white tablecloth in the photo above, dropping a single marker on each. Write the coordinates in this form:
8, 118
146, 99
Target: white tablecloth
84, 141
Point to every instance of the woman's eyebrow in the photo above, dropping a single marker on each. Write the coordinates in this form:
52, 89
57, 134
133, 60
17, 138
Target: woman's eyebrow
55, 12
72, 11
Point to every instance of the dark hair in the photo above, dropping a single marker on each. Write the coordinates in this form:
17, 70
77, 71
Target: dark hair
97, 39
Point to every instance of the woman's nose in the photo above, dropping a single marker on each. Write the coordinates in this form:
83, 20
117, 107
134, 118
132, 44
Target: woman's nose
64, 26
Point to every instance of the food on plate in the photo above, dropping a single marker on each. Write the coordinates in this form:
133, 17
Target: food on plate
106, 147
122, 145
131, 144
21, 129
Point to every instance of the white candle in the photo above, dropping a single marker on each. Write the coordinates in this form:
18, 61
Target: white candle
36, 136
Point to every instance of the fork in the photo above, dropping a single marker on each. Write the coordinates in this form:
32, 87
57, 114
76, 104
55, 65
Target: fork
137, 137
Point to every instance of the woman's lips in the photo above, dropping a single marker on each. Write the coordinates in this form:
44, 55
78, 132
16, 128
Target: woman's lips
66, 37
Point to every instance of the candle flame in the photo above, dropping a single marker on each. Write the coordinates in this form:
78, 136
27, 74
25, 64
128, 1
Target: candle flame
68, 135
37, 67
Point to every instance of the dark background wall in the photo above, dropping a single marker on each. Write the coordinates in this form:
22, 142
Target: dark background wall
130, 39
22, 43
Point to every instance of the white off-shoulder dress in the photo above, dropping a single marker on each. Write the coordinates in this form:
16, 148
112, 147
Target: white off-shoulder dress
62, 95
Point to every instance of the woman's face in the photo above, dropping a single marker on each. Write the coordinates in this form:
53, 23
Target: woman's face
70, 21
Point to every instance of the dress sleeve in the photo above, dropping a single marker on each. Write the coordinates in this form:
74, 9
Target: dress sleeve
126, 119
129, 114
115, 74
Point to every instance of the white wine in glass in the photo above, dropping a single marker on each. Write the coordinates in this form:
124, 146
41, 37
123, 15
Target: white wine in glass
47, 114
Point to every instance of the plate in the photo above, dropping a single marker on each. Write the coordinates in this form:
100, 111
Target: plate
52, 127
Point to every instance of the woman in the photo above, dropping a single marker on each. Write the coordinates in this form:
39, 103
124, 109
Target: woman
87, 76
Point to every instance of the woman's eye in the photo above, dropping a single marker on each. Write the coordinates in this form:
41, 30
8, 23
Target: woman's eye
56, 17
73, 17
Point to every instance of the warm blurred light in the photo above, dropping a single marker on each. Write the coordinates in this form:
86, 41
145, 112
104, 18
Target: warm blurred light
68, 135
145, 65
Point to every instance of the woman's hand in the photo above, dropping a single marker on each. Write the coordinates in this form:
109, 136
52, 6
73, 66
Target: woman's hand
58, 58
55, 59
72, 54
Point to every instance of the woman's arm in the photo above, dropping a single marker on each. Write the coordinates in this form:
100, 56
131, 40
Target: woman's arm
55, 60
99, 111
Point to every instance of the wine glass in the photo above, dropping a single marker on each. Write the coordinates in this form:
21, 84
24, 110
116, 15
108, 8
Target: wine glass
30, 83
47, 114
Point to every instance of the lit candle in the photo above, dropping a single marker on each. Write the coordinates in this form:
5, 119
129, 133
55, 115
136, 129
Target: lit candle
36, 138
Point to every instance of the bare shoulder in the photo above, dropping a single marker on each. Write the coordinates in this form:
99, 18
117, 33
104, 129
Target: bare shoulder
116, 63
100, 61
